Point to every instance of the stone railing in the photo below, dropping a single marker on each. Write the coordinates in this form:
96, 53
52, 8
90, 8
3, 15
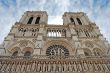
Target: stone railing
56, 31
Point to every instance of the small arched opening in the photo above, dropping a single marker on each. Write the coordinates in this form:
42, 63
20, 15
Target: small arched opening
15, 53
27, 53
30, 20
37, 20
97, 52
87, 52
72, 20
79, 21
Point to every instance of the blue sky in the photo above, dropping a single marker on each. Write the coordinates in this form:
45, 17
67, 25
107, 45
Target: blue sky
98, 11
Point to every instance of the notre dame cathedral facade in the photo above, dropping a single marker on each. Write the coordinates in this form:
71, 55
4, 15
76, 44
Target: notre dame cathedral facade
33, 46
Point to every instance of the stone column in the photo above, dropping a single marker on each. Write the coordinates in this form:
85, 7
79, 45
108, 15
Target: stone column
23, 18
26, 20
34, 20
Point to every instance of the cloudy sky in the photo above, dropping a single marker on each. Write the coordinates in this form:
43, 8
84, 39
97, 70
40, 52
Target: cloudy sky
97, 10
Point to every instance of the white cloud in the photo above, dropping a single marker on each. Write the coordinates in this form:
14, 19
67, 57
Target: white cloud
56, 7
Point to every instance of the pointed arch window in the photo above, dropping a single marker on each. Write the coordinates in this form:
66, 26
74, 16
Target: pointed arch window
27, 53
72, 20
87, 33
86, 54
30, 20
97, 52
37, 20
79, 21
15, 53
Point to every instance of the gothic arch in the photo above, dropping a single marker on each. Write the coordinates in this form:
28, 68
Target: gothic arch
29, 49
92, 44
37, 20
15, 53
30, 20
79, 21
97, 52
27, 53
14, 50
96, 48
87, 52
66, 44
21, 44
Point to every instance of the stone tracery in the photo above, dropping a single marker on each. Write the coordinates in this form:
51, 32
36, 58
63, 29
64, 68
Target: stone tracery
57, 51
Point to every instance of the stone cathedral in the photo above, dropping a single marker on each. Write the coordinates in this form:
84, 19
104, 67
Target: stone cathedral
34, 46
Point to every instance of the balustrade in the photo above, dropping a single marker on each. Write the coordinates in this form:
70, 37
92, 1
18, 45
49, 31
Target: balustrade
56, 32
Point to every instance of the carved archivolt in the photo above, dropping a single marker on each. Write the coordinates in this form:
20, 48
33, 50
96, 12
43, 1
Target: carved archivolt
87, 52
97, 52
91, 44
27, 49
15, 49
93, 47
22, 45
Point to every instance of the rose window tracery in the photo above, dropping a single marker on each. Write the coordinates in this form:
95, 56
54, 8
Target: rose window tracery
57, 51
